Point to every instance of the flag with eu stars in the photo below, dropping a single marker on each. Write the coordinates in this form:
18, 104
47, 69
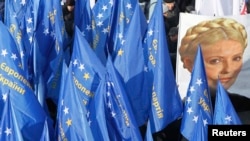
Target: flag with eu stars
120, 19
26, 20
84, 19
198, 112
87, 73
9, 129
110, 115
166, 105
86, 66
19, 18
94, 24
102, 11
49, 41
29, 113
129, 62
224, 112
71, 120
53, 72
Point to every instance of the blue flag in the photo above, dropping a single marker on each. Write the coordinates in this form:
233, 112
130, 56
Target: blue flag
198, 112
47, 51
94, 24
9, 129
166, 105
96, 116
120, 19
129, 62
84, 19
56, 57
72, 122
20, 21
87, 67
102, 11
30, 115
110, 114
224, 112
45, 134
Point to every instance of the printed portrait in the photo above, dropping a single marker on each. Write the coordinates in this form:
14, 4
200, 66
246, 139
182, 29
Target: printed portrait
224, 41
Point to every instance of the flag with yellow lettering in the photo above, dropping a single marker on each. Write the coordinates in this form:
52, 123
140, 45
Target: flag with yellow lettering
29, 113
122, 13
198, 112
19, 18
129, 62
110, 115
71, 122
86, 66
166, 105
102, 11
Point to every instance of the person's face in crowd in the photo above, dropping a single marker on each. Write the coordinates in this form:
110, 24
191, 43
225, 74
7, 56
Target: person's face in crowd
170, 6
222, 59
70, 7
173, 38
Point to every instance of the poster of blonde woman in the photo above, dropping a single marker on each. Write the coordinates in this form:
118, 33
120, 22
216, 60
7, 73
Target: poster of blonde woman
225, 44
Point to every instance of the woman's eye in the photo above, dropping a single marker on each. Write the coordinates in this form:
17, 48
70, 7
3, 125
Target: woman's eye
214, 61
238, 58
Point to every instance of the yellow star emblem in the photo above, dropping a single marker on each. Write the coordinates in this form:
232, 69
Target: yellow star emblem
120, 52
69, 122
86, 76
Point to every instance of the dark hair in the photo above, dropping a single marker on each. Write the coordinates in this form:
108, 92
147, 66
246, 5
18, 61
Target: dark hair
70, 2
173, 31
169, 1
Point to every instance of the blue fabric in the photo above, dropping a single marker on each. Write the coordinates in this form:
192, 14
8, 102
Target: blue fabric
71, 120
87, 68
8, 123
110, 112
29, 113
120, 20
198, 112
18, 19
129, 62
224, 112
166, 104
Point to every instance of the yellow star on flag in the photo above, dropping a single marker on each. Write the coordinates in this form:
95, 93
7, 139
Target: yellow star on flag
120, 52
86, 76
69, 122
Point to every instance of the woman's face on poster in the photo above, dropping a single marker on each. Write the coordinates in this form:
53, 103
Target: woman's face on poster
223, 60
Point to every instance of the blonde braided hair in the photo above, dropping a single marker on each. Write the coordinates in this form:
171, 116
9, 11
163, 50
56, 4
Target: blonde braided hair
208, 32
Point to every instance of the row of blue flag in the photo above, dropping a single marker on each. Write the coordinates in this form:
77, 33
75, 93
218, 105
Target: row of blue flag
198, 111
117, 78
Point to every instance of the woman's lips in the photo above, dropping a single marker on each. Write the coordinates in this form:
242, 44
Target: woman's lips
224, 80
